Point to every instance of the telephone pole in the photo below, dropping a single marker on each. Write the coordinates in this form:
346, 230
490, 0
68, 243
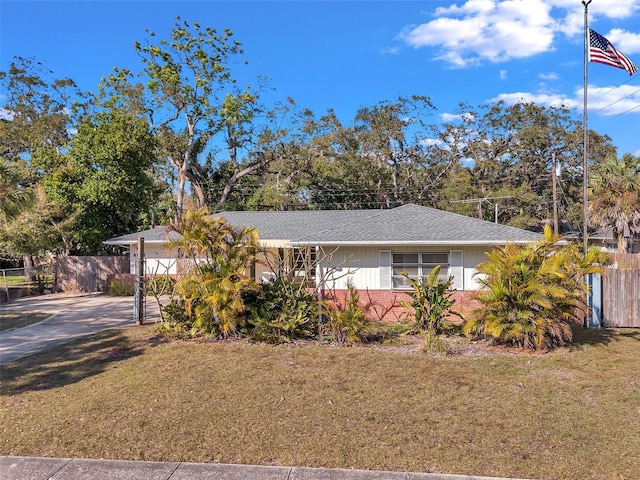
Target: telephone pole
554, 181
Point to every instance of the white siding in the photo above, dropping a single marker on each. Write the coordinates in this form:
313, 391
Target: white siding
158, 261
355, 264
472, 257
362, 265
456, 269
386, 269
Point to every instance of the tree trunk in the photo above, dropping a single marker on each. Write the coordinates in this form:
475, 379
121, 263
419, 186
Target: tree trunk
28, 268
622, 242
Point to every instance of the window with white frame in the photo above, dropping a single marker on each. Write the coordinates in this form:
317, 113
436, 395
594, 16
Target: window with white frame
417, 266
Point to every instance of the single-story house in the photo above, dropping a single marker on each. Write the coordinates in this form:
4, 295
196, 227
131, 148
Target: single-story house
371, 249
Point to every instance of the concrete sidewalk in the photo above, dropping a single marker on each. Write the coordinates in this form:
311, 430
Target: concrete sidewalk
72, 316
33, 468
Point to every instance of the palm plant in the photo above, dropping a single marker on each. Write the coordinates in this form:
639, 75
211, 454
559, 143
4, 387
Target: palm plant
615, 197
432, 302
533, 293
212, 290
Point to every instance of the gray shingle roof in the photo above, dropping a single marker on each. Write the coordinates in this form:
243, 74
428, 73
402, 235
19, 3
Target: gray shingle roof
408, 224
297, 224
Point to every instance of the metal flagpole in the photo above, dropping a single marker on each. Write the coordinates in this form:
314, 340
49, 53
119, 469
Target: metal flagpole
585, 153
585, 163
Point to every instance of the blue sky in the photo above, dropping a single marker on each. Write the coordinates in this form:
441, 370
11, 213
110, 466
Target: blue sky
348, 54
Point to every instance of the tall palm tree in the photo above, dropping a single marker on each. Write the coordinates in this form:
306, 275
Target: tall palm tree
615, 198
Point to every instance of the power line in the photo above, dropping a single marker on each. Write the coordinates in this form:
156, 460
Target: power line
619, 100
627, 111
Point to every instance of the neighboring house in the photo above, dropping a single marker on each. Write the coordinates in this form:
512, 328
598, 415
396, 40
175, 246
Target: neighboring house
605, 239
369, 248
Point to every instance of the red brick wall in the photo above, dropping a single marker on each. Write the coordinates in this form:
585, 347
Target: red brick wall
385, 305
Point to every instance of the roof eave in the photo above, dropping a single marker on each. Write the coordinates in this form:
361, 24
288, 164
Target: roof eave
399, 243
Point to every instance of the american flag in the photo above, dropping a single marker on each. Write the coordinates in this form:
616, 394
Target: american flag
602, 51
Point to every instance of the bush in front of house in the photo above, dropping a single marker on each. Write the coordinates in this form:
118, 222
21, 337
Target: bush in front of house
348, 323
533, 293
211, 291
159, 285
431, 303
282, 311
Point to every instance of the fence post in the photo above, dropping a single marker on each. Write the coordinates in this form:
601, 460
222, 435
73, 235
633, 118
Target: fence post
6, 285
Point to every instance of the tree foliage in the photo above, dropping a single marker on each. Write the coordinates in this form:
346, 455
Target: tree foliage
207, 127
615, 198
182, 126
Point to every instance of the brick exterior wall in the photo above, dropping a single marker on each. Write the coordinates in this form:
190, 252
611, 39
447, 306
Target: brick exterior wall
385, 305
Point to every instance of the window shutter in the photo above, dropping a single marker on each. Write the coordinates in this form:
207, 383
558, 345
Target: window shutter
456, 269
385, 269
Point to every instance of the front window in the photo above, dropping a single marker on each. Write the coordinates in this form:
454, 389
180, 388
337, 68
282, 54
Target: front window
417, 266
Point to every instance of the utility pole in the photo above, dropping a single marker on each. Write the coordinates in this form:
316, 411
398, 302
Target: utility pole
554, 181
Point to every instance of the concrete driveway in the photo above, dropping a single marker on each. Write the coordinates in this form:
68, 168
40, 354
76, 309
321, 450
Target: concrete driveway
72, 316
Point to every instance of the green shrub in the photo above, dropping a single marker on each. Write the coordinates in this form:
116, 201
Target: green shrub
211, 291
349, 323
175, 321
282, 311
121, 285
431, 303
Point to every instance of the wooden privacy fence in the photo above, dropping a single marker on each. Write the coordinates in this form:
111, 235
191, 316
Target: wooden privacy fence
621, 292
86, 274
625, 260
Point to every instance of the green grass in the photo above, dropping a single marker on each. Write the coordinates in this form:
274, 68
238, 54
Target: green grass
9, 321
19, 280
128, 394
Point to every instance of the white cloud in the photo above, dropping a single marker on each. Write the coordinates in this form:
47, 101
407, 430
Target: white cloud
549, 76
550, 100
390, 50
605, 101
627, 42
432, 142
486, 30
503, 74
500, 30
610, 101
450, 117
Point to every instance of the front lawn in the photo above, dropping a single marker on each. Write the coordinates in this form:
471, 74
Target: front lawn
9, 321
128, 394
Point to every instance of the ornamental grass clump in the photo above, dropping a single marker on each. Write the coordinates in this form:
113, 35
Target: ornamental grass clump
533, 293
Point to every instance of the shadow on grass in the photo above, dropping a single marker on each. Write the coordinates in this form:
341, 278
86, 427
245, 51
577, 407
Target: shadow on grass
71, 362
603, 336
